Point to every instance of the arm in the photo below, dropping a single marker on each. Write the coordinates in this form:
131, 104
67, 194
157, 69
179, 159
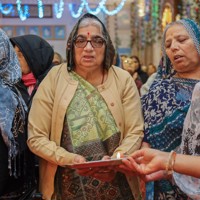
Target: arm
43, 139
148, 161
188, 165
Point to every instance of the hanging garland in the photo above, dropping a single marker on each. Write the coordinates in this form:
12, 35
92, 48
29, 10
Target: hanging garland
117, 42
154, 18
190, 9
132, 25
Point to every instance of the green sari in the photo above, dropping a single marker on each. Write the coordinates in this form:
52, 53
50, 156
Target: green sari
89, 130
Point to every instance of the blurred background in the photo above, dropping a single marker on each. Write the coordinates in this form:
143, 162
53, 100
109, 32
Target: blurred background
135, 26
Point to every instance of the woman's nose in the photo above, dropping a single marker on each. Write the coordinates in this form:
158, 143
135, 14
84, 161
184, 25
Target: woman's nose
88, 45
174, 45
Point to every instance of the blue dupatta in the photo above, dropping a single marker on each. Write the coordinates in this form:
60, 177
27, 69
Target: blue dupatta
12, 106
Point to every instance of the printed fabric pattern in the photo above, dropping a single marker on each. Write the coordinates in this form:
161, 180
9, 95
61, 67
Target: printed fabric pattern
90, 130
165, 108
12, 106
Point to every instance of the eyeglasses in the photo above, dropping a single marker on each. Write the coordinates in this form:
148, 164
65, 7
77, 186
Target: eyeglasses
128, 61
96, 42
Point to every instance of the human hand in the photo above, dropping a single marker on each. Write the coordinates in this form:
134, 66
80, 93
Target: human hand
156, 176
129, 171
124, 168
127, 168
147, 161
79, 159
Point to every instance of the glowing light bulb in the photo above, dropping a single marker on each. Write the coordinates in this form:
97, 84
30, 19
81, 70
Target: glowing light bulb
118, 155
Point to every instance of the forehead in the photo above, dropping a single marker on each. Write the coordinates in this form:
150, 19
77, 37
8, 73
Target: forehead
89, 30
176, 30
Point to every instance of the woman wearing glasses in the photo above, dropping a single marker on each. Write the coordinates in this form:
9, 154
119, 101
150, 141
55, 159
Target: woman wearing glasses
85, 110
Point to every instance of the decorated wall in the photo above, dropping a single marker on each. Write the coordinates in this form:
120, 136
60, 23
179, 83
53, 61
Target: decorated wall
55, 21
150, 18
135, 26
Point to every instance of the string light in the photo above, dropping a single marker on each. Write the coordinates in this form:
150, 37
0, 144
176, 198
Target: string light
58, 9
40, 9
116, 10
79, 12
6, 9
97, 10
23, 15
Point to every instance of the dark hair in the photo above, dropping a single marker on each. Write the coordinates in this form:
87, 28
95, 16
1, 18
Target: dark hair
109, 50
139, 67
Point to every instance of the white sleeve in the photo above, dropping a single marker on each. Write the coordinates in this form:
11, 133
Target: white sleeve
188, 184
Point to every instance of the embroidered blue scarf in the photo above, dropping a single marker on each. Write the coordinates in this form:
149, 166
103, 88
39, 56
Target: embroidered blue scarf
12, 106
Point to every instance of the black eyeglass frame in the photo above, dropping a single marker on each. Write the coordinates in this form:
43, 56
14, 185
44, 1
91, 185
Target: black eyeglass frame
91, 41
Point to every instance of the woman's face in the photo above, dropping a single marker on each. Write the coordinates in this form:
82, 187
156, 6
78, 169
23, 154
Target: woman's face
89, 56
135, 63
181, 50
23, 64
128, 65
151, 69
56, 60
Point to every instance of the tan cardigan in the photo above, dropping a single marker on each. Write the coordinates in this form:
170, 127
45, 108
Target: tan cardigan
48, 112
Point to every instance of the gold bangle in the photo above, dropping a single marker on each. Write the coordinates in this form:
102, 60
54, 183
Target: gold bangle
170, 163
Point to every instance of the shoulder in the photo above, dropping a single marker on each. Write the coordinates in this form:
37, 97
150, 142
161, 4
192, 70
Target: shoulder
119, 73
58, 68
57, 72
160, 84
159, 89
122, 80
56, 76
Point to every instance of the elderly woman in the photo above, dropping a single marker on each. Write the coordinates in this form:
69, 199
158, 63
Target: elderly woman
167, 102
12, 122
82, 111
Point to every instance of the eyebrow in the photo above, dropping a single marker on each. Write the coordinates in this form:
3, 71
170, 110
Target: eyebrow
180, 35
85, 35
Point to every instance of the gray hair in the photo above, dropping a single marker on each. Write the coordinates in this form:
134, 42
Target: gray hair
84, 21
91, 21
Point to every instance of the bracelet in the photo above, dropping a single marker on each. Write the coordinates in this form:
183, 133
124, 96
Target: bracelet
170, 163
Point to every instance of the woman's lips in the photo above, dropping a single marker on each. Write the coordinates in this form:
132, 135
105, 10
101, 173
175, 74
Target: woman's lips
178, 58
88, 57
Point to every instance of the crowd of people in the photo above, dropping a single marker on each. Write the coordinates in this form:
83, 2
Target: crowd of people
57, 114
